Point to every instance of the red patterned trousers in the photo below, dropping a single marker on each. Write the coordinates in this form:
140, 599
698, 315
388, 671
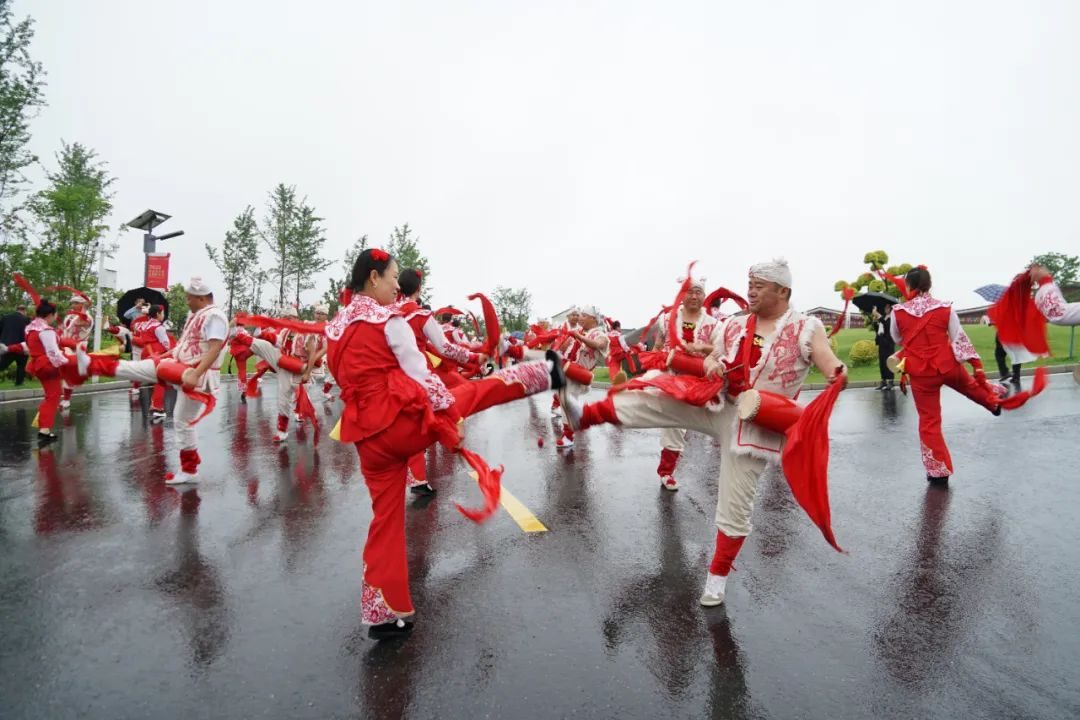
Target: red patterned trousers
926, 390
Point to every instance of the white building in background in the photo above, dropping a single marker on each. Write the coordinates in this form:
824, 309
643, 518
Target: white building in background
559, 318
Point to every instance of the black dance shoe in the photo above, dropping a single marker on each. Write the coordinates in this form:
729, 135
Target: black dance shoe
46, 438
558, 377
388, 631
424, 489
938, 481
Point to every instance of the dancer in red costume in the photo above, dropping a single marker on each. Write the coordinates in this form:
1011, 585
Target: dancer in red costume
1050, 301
934, 348
429, 334
137, 316
74, 331
46, 363
590, 349
395, 408
695, 329
770, 349
193, 363
316, 348
566, 346
155, 341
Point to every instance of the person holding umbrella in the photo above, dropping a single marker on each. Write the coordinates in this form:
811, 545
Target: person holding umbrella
886, 346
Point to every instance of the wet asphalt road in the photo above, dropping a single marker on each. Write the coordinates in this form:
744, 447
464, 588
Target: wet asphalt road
121, 598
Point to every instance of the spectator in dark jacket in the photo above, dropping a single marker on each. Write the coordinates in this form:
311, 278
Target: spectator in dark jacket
13, 332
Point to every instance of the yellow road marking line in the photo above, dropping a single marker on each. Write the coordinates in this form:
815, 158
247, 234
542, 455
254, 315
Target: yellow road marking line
517, 510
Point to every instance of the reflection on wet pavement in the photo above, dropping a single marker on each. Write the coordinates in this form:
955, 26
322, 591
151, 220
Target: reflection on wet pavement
121, 597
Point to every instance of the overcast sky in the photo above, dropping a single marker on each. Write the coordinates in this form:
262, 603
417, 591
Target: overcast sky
588, 150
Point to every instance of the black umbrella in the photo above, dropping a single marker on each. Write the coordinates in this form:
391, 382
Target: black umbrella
870, 301
127, 301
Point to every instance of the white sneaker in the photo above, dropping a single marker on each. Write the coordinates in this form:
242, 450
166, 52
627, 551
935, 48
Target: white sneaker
183, 478
280, 437
715, 586
564, 442
669, 483
157, 417
556, 412
133, 393
65, 404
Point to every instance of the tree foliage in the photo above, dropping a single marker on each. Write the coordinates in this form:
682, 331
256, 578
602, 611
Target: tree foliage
305, 252
70, 218
513, 307
22, 93
878, 260
239, 253
178, 309
405, 247
1064, 268
277, 232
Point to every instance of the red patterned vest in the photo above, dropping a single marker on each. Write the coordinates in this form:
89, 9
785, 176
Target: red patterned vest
926, 341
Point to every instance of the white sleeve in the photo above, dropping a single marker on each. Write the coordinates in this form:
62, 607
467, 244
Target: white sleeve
162, 336
894, 329
402, 342
52, 349
963, 349
433, 332
1052, 305
215, 329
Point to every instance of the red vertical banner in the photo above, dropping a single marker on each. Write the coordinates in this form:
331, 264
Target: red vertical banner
157, 271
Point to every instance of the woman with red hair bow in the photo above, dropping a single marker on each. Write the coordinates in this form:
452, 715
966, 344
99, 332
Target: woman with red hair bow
935, 346
395, 407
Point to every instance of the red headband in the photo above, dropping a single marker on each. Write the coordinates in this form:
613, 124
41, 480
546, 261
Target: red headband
380, 255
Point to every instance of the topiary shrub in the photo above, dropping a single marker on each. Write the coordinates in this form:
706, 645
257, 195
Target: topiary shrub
863, 353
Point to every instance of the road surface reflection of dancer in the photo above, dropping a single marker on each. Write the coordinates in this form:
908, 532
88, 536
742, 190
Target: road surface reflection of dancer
395, 408
769, 349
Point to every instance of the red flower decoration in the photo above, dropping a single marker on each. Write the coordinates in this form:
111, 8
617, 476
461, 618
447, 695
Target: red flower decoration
923, 267
420, 274
848, 293
380, 255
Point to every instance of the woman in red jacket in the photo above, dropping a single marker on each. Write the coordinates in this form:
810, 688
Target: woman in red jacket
395, 407
935, 345
47, 361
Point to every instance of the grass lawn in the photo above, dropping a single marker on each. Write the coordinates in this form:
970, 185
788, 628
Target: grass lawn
981, 336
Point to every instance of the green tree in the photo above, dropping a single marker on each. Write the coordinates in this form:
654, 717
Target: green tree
71, 214
22, 84
178, 309
256, 280
513, 307
1064, 268
405, 247
330, 297
239, 252
278, 230
305, 252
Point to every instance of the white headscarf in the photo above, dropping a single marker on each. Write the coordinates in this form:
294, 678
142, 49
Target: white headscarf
776, 271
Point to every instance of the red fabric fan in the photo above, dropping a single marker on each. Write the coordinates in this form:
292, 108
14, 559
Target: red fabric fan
305, 409
899, 282
22, 282
490, 480
848, 293
805, 459
1018, 320
491, 325
262, 321
723, 294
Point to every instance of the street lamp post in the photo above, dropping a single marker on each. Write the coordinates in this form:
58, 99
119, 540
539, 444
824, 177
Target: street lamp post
146, 222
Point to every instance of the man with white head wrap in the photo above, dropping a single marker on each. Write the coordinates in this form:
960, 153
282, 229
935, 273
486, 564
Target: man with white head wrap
695, 327
199, 349
568, 347
316, 349
771, 348
591, 342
